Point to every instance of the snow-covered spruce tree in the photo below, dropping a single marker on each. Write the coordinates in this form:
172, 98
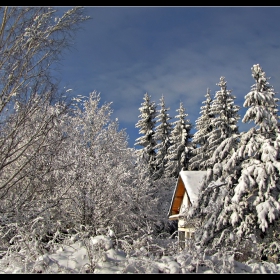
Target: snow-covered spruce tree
179, 151
162, 138
222, 139
263, 105
249, 219
224, 122
203, 127
146, 125
254, 209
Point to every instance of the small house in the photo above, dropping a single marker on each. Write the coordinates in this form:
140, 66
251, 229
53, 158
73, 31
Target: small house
185, 195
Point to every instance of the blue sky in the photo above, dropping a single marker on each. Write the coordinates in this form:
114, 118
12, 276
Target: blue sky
177, 52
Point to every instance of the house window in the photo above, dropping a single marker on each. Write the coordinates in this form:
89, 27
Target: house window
185, 238
189, 235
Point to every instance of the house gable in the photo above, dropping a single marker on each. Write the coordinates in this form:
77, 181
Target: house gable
188, 184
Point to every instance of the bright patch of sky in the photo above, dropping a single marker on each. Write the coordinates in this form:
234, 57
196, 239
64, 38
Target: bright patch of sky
178, 52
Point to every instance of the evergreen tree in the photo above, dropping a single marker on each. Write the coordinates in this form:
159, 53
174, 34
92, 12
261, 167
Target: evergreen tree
220, 143
224, 122
255, 208
262, 103
242, 207
162, 137
146, 125
200, 139
179, 151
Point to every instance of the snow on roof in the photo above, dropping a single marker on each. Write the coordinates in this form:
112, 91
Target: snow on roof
192, 181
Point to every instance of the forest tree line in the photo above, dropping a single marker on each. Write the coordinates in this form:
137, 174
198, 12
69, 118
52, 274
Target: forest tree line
238, 205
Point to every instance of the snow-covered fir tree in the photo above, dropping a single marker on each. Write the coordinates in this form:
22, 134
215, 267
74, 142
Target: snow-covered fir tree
146, 125
255, 209
245, 199
224, 122
179, 151
200, 139
220, 142
162, 137
262, 103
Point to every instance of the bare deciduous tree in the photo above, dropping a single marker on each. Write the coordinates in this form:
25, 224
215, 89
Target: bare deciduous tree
32, 40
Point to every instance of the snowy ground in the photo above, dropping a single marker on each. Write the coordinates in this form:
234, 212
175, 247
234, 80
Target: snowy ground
98, 256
